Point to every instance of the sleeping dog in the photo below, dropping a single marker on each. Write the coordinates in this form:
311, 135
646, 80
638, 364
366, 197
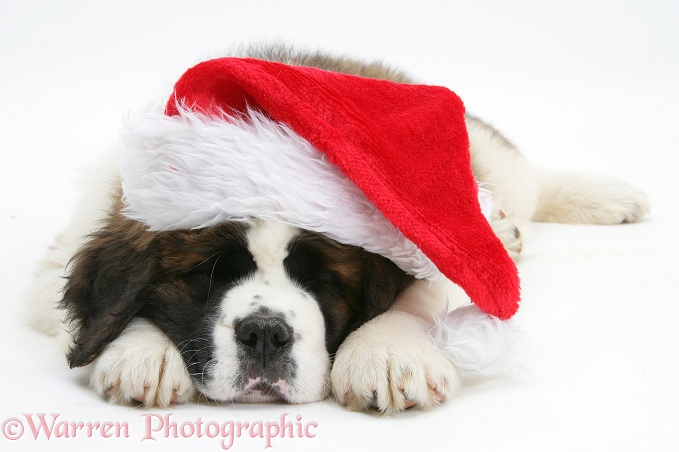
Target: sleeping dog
260, 311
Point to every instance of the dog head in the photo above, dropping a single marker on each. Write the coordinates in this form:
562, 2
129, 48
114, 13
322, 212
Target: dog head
256, 308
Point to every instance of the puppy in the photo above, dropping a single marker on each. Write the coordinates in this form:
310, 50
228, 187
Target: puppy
259, 311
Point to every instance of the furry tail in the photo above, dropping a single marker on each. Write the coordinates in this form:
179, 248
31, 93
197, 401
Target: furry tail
580, 198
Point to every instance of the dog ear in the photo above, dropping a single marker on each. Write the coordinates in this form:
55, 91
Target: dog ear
106, 286
383, 281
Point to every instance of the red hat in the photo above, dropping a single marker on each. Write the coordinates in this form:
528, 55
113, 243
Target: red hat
371, 163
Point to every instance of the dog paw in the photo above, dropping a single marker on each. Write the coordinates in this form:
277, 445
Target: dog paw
508, 233
391, 364
580, 198
626, 204
142, 365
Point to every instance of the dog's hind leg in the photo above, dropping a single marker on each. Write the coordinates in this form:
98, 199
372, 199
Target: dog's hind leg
581, 198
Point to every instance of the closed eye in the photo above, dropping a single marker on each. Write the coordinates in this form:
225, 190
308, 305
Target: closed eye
220, 270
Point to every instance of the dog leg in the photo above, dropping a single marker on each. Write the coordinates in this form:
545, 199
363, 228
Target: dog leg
41, 300
579, 198
142, 365
391, 362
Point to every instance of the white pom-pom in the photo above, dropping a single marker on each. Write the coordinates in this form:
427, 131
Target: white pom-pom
479, 343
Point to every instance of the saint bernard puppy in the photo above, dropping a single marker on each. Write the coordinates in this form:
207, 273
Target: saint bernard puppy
259, 311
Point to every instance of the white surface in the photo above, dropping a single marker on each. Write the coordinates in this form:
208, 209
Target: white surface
578, 85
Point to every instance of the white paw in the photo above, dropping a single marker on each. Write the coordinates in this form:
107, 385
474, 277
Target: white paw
508, 233
626, 205
576, 198
391, 364
142, 365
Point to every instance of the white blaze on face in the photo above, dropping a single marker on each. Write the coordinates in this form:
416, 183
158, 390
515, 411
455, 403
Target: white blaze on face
269, 288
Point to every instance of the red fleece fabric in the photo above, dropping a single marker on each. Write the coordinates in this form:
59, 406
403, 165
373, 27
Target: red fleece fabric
405, 146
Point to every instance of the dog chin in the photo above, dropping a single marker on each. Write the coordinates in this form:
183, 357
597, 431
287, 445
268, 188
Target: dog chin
261, 390
259, 393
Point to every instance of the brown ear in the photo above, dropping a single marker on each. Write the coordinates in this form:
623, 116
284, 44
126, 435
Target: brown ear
106, 286
383, 281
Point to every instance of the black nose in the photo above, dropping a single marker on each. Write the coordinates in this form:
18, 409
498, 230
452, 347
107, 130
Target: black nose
263, 337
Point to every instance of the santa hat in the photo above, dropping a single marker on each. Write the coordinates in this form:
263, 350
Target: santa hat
371, 163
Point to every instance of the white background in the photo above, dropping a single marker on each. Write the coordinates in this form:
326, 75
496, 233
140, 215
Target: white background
588, 85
